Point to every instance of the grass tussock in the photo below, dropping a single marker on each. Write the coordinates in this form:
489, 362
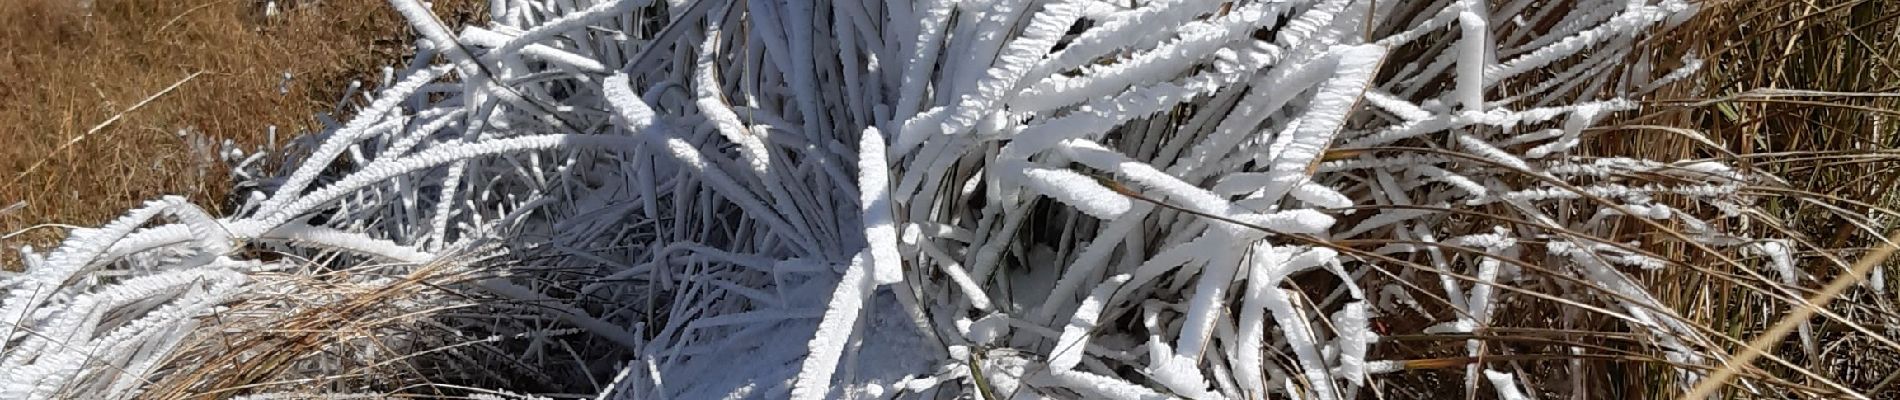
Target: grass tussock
70, 69
1804, 92
1828, 148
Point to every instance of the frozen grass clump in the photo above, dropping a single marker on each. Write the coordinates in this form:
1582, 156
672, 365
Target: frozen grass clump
894, 199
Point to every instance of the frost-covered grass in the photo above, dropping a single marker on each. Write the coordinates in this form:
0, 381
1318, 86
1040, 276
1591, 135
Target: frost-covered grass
995, 199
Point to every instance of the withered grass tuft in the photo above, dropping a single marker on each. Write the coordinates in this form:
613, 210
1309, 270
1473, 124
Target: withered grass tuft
1836, 155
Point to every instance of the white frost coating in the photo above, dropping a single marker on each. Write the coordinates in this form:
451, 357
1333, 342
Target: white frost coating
1209, 295
711, 103
1355, 338
874, 188
353, 242
1480, 302
1075, 335
988, 329
1473, 46
1328, 112
1404, 109
618, 91
571, 21
1630, 20
1781, 259
1101, 387
1482, 148
1177, 372
1262, 278
1299, 336
1194, 198
1322, 196
1297, 221
1505, 384
1015, 60
487, 38
1076, 190
349, 135
1120, 30
1147, 67
827, 345
1312, 193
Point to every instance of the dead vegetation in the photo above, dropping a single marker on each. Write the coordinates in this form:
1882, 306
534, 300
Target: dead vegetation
1804, 91
69, 70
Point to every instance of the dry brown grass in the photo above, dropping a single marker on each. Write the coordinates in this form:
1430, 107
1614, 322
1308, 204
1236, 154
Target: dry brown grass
336, 334
1840, 158
1829, 203
67, 70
